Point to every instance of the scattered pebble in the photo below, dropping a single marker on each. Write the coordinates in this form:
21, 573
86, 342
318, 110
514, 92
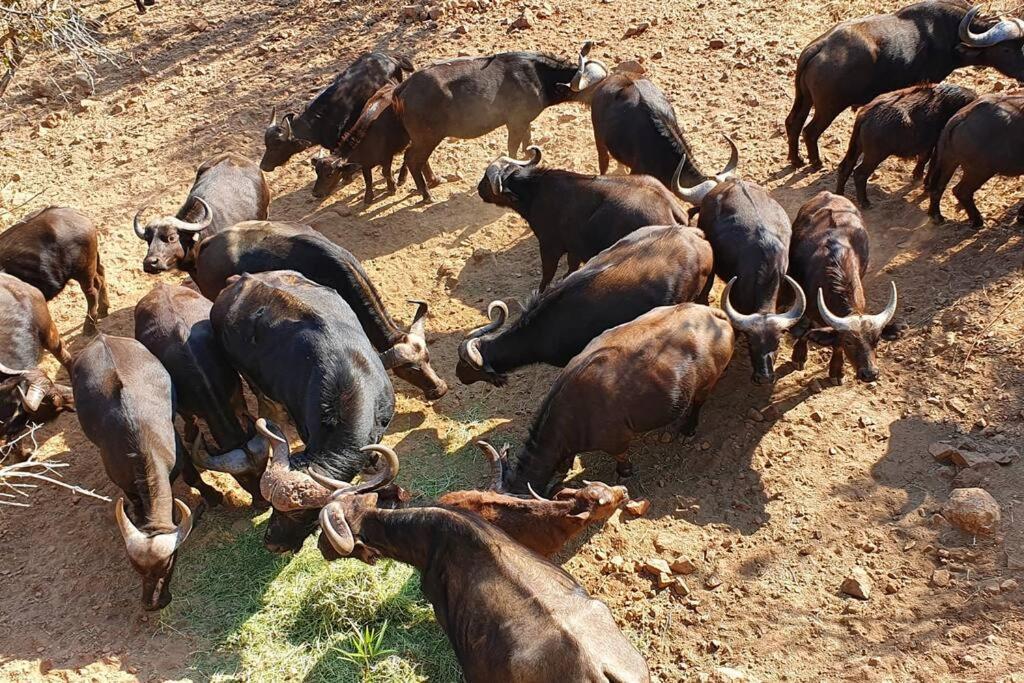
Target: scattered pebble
857, 584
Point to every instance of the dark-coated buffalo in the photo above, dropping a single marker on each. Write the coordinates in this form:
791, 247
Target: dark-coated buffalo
333, 110
635, 124
906, 124
27, 394
300, 345
372, 141
749, 234
634, 378
228, 189
174, 324
653, 266
602, 210
51, 246
829, 255
858, 60
261, 247
510, 614
125, 403
985, 139
542, 525
467, 98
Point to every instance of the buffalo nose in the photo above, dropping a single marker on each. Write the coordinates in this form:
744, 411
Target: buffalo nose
867, 374
438, 391
277, 548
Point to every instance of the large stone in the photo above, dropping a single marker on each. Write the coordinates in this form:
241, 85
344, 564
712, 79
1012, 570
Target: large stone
857, 584
973, 511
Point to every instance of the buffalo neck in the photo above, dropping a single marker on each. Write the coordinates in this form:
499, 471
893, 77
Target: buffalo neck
510, 349
153, 485
412, 535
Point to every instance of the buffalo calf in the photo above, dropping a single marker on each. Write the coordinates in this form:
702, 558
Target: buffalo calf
52, 246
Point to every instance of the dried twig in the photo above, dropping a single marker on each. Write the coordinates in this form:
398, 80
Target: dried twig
17, 477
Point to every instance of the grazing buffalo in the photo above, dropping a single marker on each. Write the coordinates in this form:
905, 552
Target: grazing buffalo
858, 60
829, 255
174, 324
373, 140
653, 266
334, 110
905, 123
603, 210
48, 248
260, 247
985, 139
542, 525
510, 614
27, 394
467, 98
125, 403
300, 345
749, 234
228, 189
635, 124
634, 378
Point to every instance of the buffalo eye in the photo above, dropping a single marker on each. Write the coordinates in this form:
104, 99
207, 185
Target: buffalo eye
171, 238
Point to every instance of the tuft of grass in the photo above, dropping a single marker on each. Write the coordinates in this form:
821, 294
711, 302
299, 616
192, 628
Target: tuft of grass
270, 618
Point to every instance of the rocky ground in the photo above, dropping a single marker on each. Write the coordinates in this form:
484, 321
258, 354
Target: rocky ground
804, 534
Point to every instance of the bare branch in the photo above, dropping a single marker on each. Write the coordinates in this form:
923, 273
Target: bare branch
14, 475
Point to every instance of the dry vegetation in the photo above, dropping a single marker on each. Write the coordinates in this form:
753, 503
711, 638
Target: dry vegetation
782, 492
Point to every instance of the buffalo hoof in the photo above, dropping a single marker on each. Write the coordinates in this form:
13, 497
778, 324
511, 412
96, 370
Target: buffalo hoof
426, 200
894, 330
796, 161
938, 219
835, 381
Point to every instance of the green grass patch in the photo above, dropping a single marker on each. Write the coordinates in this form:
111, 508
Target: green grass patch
270, 618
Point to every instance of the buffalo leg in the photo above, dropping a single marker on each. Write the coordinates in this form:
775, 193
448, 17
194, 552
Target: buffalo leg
964, 191
861, 176
574, 264
100, 281
623, 466
52, 342
835, 365
689, 425
92, 300
705, 293
190, 474
820, 122
603, 157
416, 158
518, 134
549, 259
389, 177
795, 123
800, 353
368, 182
941, 175
922, 162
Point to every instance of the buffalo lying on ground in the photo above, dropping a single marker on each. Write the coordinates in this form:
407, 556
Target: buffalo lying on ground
653, 266
27, 394
333, 111
48, 248
985, 139
228, 189
858, 60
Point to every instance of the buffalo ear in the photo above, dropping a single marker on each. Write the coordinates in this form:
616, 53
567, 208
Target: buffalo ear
966, 54
823, 337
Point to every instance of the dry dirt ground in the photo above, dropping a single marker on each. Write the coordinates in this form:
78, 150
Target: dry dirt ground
782, 492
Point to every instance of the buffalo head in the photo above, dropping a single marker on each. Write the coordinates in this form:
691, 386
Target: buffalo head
153, 554
695, 195
590, 71
331, 172
472, 366
29, 397
1001, 46
764, 330
281, 143
170, 238
409, 358
857, 334
496, 185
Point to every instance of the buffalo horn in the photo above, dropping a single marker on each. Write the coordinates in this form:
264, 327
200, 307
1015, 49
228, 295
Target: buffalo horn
385, 476
796, 311
232, 462
273, 116
880, 320
202, 224
148, 550
10, 371
695, 195
34, 398
419, 320
285, 489
334, 526
840, 324
535, 157
140, 232
536, 496
1007, 29
497, 465
741, 321
496, 322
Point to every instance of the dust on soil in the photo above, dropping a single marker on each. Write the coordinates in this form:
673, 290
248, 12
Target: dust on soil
777, 511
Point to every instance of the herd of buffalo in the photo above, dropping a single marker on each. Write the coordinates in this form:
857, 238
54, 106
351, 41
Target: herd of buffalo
292, 316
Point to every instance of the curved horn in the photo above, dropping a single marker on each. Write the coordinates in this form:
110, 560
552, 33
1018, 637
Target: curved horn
536, 496
385, 476
202, 224
741, 321
469, 351
495, 323
497, 465
135, 541
336, 529
185, 524
796, 311
835, 322
140, 232
587, 46
285, 489
419, 320
692, 195
880, 320
33, 398
273, 116
734, 161
234, 462
1007, 29
286, 123
10, 371
536, 152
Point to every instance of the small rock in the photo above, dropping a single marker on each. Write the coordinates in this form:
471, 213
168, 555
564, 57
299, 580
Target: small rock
83, 81
435, 13
630, 66
656, 566
857, 584
755, 415
965, 458
817, 416
658, 54
197, 25
682, 565
716, 43
664, 580
668, 543
771, 412
725, 674
1006, 457
638, 508
973, 511
461, 29
941, 451
1008, 586
680, 588
637, 29
957, 406
525, 20
712, 582
941, 578
566, 118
